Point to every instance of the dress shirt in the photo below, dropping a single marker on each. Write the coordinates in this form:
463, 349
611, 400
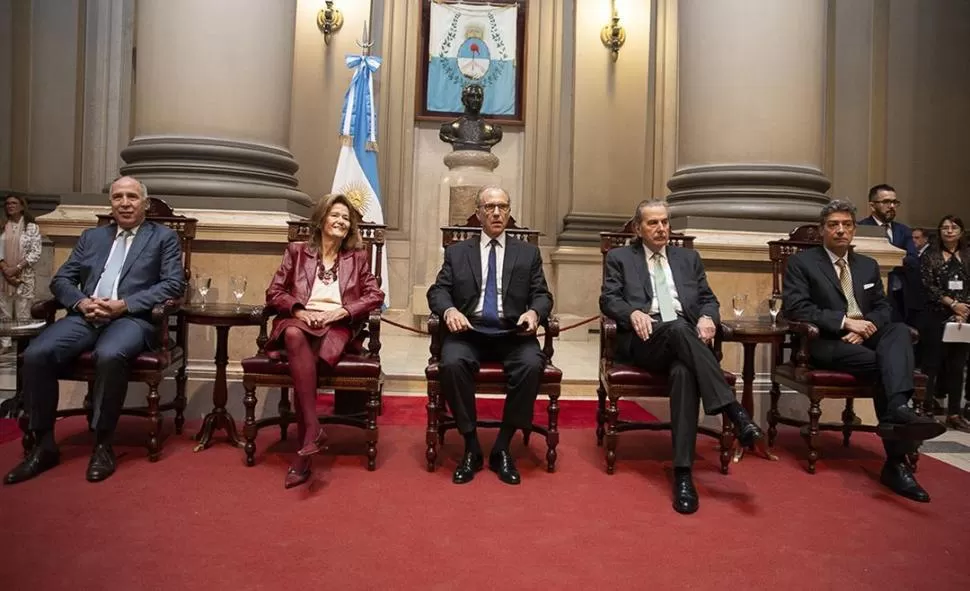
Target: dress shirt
114, 245
835, 259
499, 264
654, 305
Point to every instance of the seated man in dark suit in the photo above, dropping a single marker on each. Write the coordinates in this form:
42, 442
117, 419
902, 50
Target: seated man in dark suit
666, 317
491, 294
841, 293
114, 277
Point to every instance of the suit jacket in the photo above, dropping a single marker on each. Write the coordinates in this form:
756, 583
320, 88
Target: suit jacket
812, 292
627, 287
459, 282
292, 284
152, 273
902, 235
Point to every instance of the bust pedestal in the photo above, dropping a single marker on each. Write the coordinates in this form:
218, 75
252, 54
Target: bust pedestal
468, 171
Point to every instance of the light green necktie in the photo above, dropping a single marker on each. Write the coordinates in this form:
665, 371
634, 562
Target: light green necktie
664, 300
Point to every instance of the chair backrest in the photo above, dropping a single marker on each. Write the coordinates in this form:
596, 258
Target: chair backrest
372, 235
611, 240
473, 227
802, 237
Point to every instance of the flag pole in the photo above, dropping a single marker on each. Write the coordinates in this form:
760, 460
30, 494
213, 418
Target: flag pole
365, 42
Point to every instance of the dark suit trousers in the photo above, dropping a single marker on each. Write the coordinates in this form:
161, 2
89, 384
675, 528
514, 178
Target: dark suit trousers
886, 356
53, 351
461, 357
694, 376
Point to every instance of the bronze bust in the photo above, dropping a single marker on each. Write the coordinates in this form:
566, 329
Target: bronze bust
470, 131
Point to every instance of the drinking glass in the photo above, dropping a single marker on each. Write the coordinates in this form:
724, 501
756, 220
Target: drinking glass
774, 307
202, 285
739, 302
238, 287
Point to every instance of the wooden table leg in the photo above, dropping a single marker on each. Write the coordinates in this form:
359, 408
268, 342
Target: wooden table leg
219, 418
747, 401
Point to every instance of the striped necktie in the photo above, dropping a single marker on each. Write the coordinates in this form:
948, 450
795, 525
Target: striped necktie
845, 279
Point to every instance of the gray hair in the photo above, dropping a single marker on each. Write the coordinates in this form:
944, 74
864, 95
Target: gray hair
486, 189
652, 202
836, 206
142, 189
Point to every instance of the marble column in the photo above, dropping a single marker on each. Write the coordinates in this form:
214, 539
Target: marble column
213, 81
750, 135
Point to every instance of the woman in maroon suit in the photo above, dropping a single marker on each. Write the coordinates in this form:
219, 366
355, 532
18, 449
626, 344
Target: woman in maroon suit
322, 291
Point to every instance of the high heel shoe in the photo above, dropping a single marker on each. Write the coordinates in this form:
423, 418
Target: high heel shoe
296, 477
314, 447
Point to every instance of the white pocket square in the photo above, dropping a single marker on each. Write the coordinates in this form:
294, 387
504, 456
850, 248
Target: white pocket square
868, 286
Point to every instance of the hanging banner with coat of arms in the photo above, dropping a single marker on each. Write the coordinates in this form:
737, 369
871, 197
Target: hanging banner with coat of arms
472, 44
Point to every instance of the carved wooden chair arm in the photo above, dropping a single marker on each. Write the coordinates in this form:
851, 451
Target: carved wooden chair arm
435, 326
160, 317
374, 333
607, 339
551, 325
261, 339
45, 309
804, 333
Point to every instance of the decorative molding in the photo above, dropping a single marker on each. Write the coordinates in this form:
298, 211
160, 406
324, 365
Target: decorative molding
584, 228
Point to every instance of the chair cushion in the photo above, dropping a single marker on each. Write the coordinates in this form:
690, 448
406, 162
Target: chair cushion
630, 375
350, 366
146, 361
835, 379
492, 373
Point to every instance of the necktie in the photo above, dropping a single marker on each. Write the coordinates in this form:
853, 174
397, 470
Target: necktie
490, 303
113, 267
845, 279
664, 300
889, 232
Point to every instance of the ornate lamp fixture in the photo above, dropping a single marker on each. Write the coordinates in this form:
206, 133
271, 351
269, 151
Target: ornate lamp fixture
613, 35
329, 20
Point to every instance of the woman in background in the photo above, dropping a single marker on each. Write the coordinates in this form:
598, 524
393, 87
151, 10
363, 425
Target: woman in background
323, 292
946, 278
19, 252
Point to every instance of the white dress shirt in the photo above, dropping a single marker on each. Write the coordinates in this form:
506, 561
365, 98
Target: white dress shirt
835, 259
324, 297
499, 263
114, 245
888, 226
654, 305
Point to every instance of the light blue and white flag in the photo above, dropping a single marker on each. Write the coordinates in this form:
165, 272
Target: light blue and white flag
472, 45
356, 175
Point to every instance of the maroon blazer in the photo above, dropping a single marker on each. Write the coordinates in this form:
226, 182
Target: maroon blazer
290, 290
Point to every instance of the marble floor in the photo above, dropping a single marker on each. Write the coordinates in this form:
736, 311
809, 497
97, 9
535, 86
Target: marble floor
405, 356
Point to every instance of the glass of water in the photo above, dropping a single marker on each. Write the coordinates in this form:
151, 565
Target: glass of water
739, 302
202, 285
238, 287
774, 308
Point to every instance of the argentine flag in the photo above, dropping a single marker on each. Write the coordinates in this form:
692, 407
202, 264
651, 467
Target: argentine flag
472, 45
356, 175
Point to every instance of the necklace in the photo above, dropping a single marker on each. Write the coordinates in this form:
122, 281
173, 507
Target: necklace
328, 276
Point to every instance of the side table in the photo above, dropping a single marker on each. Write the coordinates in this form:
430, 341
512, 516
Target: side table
750, 334
21, 332
222, 317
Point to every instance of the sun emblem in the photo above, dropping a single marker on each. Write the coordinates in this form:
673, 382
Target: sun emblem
357, 193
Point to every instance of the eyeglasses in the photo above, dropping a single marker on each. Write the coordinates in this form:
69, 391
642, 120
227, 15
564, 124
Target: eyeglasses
489, 207
887, 202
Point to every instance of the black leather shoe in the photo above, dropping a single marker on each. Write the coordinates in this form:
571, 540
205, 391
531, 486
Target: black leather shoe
469, 464
903, 424
501, 463
685, 495
747, 431
38, 460
102, 464
899, 478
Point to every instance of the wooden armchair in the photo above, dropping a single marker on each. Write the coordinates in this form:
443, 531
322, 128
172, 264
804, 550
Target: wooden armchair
167, 357
618, 380
796, 373
358, 373
491, 378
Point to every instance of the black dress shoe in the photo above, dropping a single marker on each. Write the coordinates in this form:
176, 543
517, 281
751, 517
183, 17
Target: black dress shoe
899, 478
903, 424
685, 495
747, 431
102, 464
469, 464
501, 463
39, 459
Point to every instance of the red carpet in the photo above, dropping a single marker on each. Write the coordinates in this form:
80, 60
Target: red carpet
205, 521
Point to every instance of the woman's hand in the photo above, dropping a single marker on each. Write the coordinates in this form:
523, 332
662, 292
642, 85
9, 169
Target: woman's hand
961, 310
335, 316
310, 318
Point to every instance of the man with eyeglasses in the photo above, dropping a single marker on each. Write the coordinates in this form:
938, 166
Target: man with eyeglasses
491, 294
841, 293
883, 204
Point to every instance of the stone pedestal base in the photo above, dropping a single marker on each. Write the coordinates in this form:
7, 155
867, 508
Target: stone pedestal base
468, 171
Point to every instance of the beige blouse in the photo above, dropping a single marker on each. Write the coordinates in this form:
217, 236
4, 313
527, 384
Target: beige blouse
323, 297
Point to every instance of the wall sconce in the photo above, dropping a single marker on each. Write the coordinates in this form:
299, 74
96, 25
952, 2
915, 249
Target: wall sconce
329, 20
613, 35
